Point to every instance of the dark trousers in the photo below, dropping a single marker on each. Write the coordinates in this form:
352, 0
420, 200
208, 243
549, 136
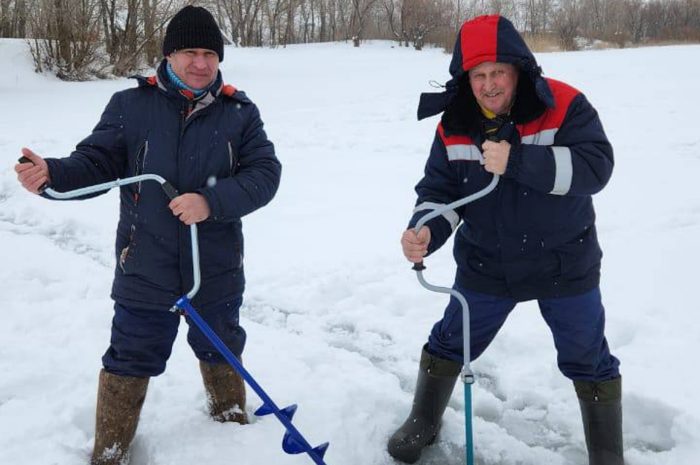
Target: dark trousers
142, 340
577, 324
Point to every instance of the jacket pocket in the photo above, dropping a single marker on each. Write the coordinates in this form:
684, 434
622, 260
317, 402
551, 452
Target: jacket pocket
221, 248
580, 258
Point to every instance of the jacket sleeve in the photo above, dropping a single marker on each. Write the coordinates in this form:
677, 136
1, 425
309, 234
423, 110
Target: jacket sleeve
578, 163
100, 157
438, 187
256, 181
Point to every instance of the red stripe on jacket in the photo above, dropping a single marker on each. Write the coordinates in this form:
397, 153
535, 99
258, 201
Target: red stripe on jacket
552, 118
453, 140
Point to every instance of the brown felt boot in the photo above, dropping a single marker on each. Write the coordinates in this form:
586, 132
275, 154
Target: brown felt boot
225, 392
119, 402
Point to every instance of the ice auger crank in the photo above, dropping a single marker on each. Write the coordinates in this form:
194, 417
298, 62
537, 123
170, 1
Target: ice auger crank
467, 375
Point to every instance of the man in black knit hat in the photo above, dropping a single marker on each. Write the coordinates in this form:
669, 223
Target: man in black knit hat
207, 140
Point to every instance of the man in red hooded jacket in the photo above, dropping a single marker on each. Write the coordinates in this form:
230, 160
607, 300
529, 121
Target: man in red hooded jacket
533, 237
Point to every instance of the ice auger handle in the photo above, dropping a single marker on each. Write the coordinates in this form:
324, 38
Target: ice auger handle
467, 375
168, 188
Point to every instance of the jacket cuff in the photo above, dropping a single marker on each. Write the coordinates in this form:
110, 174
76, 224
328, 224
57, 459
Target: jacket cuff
215, 210
55, 172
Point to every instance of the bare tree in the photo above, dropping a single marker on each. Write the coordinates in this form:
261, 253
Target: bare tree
66, 37
395, 17
13, 18
567, 21
537, 14
358, 19
273, 16
244, 18
72, 36
5, 18
134, 33
418, 19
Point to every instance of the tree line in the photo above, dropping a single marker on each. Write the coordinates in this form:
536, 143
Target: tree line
79, 39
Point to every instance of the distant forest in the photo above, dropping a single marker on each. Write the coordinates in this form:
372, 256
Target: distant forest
82, 39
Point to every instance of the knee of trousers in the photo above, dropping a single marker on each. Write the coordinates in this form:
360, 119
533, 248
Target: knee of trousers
223, 320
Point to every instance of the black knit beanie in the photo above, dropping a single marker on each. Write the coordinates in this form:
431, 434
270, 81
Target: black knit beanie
193, 27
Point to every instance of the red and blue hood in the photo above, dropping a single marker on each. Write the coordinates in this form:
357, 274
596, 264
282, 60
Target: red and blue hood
490, 38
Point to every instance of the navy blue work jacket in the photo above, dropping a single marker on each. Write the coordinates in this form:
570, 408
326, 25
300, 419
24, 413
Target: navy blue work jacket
214, 145
534, 236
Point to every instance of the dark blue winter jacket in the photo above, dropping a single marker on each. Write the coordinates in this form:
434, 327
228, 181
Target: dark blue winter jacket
215, 146
534, 236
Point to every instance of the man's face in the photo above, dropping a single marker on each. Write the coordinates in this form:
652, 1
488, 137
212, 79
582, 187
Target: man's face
494, 85
197, 67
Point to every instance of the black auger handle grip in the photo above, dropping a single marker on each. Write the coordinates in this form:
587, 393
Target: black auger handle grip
418, 266
169, 190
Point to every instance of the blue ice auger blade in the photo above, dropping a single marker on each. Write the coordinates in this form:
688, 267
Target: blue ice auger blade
293, 442
289, 411
263, 410
321, 450
291, 445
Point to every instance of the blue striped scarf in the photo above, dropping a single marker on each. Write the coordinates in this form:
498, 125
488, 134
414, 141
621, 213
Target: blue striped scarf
175, 79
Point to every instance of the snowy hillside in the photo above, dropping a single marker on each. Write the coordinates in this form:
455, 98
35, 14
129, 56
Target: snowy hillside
335, 317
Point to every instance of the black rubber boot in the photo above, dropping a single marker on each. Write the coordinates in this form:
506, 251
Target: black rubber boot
601, 410
436, 380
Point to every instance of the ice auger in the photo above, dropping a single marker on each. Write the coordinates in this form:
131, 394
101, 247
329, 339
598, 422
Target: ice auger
293, 441
467, 375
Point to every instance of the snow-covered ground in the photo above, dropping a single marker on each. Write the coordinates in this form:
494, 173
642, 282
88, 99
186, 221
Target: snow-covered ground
335, 317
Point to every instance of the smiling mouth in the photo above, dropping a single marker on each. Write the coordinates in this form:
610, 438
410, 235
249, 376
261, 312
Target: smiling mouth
493, 94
